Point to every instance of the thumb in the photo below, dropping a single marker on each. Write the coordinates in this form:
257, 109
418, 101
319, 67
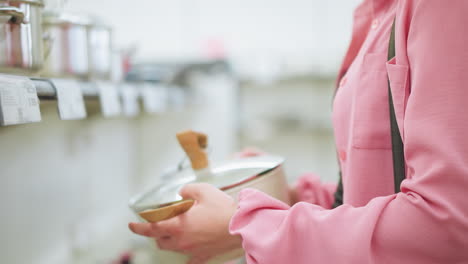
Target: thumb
193, 191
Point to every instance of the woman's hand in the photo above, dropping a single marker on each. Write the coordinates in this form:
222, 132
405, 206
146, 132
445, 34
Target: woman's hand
293, 199
202, 232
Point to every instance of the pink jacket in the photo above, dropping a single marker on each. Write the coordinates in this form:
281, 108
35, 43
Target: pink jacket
428, 221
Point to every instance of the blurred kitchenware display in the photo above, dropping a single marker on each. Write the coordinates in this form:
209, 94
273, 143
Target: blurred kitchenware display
66, 45
76, 46
153, 72
100, 50
21, 36
264, 173
117, 65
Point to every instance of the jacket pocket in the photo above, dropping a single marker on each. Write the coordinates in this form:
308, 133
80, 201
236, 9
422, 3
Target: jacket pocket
399, 84
371, 119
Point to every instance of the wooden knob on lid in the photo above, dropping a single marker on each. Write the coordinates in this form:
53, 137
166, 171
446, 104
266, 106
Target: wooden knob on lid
194, 144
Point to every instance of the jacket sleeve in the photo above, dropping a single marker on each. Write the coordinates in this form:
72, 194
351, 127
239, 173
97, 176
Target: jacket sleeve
310, 189
427, 222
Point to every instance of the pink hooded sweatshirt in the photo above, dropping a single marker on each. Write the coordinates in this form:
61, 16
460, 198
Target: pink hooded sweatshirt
427, 222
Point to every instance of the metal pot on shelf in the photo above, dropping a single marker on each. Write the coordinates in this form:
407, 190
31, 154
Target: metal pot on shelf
66, 45
77, 46
21, 36
264, 173
100, 50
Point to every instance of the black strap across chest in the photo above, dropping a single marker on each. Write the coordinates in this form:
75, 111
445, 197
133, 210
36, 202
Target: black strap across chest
398, 154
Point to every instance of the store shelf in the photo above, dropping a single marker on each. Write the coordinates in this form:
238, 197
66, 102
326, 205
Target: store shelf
18, 106
46, 90
129, 98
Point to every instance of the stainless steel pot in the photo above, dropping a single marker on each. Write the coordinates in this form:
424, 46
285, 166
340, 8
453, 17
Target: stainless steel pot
66, 45
100, 50
21, 48
264, 173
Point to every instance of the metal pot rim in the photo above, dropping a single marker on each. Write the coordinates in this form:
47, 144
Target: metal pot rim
99, 23
53, 18
261, 165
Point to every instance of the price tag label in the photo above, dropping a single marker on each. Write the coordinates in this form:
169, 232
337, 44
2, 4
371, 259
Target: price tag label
19, 103
130, 100
109, 98
71, 105
154, 98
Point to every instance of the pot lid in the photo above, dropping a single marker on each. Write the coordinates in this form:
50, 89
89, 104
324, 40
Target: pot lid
224, 175
99, 23
56, 18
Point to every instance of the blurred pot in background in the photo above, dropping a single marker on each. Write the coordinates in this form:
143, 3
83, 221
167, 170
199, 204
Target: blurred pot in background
21, 36
100, 50
66, 45
77, 46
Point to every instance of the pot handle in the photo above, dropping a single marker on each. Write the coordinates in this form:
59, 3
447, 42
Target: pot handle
194, 144
167, 212
17, 15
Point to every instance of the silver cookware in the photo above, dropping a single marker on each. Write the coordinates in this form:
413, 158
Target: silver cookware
66, 45
100, 50
21, 49
264, 173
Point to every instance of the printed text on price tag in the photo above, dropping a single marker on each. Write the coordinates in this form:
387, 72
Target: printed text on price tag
109, 98
19, 103
70, 99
